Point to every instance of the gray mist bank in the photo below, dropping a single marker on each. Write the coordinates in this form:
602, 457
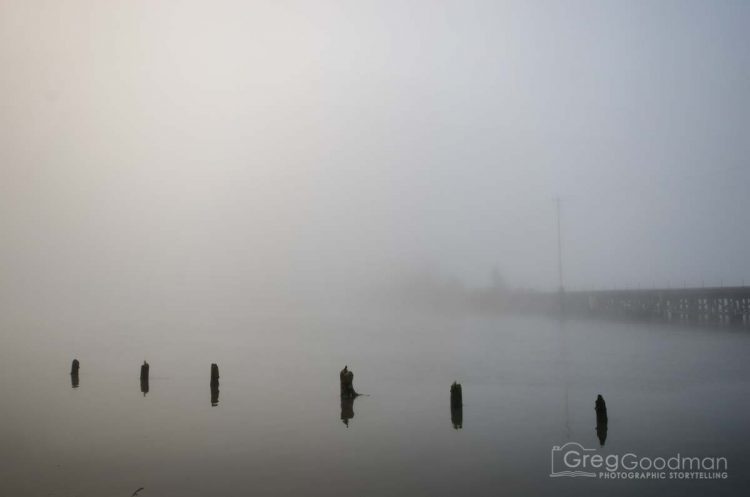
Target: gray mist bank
161, 158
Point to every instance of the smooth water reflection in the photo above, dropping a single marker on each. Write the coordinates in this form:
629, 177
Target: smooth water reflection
528, 384
601, 432
347, 409
457, 417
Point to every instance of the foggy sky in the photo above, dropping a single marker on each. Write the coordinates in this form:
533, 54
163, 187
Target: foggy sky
158, 153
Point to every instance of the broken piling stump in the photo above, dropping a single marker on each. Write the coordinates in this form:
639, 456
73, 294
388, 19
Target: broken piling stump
456, 395
214, 385
74, 373
144, 371
457, 409
601, 419
214, 374
601, 409
347, 387
144, 378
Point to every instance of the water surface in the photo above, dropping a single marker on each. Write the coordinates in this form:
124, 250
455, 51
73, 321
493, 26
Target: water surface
276, 425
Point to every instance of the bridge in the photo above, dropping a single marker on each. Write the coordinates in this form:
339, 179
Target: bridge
723, 305
710, 305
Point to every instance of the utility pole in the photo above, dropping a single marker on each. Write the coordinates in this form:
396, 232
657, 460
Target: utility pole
561, 289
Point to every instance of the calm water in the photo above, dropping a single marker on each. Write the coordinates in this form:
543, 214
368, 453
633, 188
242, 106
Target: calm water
528, 384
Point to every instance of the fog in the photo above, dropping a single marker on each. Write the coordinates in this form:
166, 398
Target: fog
217, 158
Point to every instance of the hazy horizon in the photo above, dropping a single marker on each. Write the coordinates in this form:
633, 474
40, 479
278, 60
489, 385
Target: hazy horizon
231, 154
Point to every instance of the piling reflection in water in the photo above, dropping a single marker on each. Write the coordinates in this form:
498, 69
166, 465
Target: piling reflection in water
457, 417
74, 380
347, 409
601, 432
144, 386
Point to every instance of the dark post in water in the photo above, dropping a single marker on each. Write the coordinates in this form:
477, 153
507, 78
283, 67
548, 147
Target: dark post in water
74, 373
214, 385
214, 374
457, 409
456, 395
144, 371
144, 378
601, 419
347, 388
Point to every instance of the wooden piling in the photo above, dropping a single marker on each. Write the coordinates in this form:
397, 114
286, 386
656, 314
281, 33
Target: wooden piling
347, 387
601, 409
144, 371
214, 385
601, 419
214, 374
456, 395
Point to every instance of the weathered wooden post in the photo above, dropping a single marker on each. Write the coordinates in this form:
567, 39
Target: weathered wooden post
214, 374
144, 371
347, 387
74, 373
457, 409
214, 385
144, 378
601, 419
601, 408
456, 395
